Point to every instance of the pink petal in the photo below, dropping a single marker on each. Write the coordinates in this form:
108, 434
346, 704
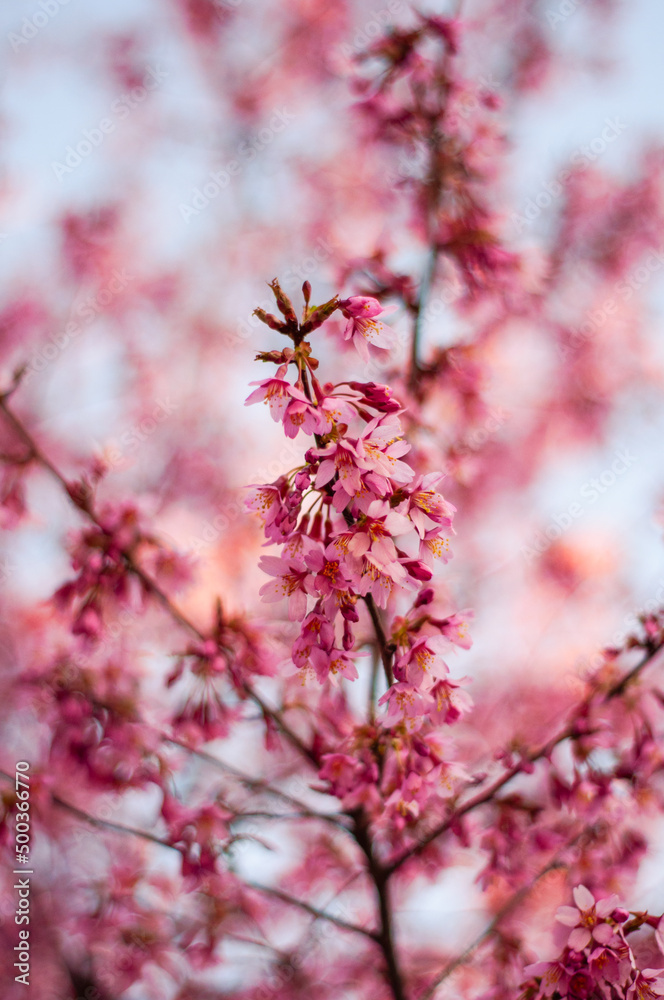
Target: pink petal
583, 898
325, 473
603, 933
605, 907
568, 915
297, 606
579, 938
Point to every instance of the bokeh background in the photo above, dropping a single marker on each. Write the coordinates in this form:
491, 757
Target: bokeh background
129, 274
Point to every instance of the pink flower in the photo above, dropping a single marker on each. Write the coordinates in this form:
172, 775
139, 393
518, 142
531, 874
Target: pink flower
374, 533
317, 632
581, 985
377, 396
455, 628
291, 575
587, 918
405, 703
351, 780
276, 392
426, 507
340, 771
379, 577
408, 799
301, 415
554, 975
358, 306
647, 985
417, 569
450, 701
419, 662
329, 570
362, 328
435, 545
332, 410
339, 458
380, 447
612, 962
278, 506
288, 404
332, 664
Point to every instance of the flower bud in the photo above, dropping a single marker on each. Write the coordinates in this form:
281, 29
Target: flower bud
284, 304
425, 596
363, 306
271, 321
349, 612
348, 638
418, 570
276, 357
318, 315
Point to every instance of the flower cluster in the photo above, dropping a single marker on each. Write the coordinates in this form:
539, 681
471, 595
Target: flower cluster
397, 777
101, 557
355, 523
597, 960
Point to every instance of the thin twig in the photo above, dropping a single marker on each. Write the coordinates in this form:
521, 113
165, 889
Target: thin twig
285, 897
495, 922
569, 731
150, 585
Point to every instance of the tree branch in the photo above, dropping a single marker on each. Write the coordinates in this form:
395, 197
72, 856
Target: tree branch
497, 919
425, 291
150, 585
385, 655
313, 911
569, 731
385, 935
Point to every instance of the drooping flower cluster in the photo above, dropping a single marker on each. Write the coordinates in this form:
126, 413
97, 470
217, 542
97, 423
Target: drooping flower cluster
101, 556
355, 522
395, 777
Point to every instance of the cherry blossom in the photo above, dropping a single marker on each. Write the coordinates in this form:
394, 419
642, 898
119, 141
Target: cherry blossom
587, 918
363, 330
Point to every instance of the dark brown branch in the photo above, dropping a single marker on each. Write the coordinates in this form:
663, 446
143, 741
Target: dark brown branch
385, 654
385, 934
